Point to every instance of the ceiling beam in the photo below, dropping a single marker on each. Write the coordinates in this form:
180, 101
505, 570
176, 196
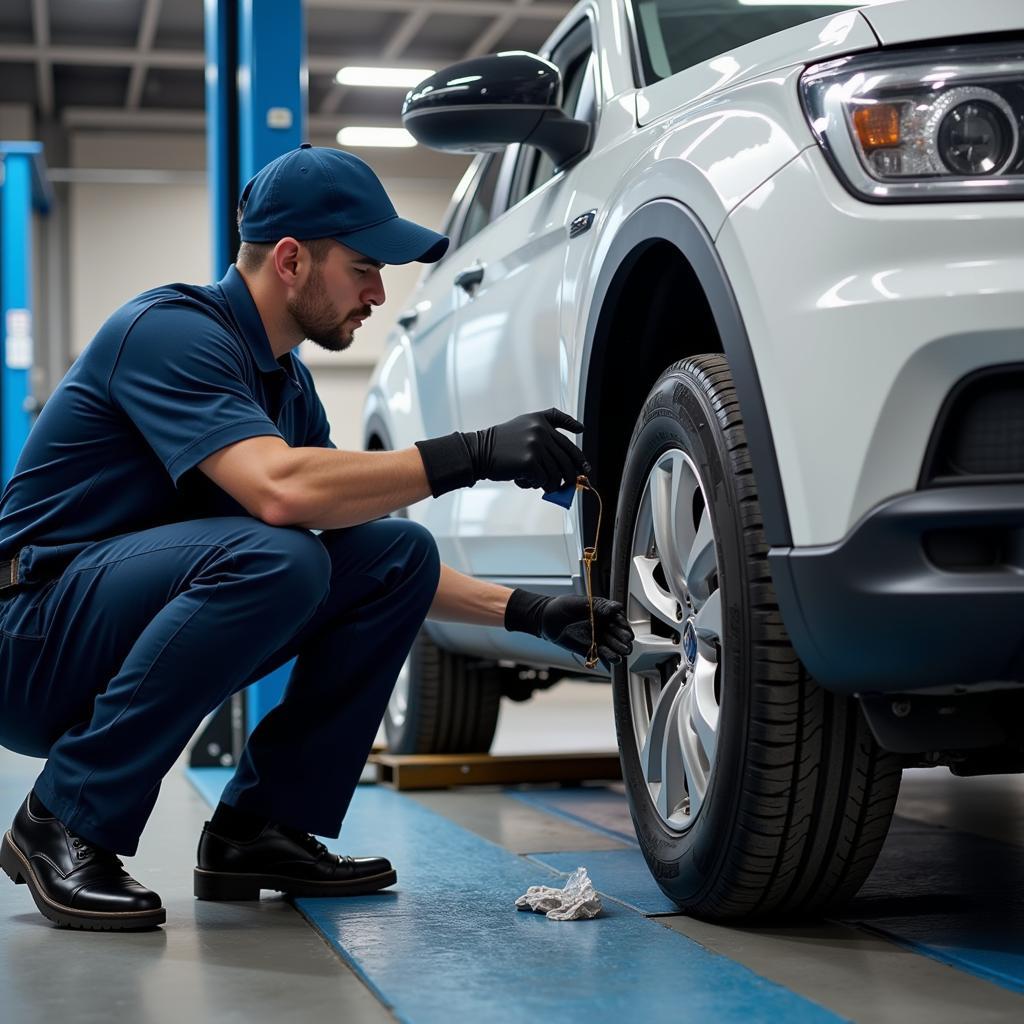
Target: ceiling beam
101, 56
396, 45
143, 46
44, 68
487, 39
122, 119
128, 57
546, 9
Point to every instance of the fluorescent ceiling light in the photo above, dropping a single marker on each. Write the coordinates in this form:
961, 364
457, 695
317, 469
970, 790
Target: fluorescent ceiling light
394, 78
383, 137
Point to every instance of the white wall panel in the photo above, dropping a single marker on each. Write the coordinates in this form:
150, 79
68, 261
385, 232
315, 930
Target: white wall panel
127, 238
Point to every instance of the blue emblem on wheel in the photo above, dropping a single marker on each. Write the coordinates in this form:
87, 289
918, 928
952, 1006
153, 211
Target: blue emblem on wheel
690, 642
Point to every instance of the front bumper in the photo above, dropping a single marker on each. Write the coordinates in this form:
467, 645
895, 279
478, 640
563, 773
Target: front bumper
861, 320
926, 591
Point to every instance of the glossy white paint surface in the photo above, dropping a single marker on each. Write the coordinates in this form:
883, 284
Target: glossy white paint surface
862, 318
910, 21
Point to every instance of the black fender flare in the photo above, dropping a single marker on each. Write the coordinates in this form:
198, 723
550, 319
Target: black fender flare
671, 221
375, 425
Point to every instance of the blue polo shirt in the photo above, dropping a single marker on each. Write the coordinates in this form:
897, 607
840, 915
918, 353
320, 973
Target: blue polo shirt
173, 376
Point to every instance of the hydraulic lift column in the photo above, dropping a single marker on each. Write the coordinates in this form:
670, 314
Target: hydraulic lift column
255, 111
23, 189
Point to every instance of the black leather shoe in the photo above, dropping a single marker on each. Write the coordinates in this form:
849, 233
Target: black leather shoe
285, 860
75, 884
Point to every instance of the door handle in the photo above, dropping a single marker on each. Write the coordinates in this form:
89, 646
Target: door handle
470, 278
408, 318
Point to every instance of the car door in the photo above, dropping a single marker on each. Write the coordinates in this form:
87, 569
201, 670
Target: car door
424, 332
508, 354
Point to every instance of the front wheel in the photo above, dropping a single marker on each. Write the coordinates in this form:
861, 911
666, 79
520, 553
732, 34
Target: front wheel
754, 792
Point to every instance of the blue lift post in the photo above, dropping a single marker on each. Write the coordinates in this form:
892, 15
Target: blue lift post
256, 87
24, 188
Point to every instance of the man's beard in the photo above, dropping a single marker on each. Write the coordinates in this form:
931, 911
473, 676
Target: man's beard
312, 311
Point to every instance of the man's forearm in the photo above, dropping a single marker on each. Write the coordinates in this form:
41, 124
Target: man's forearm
330, 489
462, 598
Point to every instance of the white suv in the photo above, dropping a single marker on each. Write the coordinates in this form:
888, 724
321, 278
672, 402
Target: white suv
772, 255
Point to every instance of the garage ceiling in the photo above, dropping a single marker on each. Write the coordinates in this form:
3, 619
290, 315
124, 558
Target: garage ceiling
139, 63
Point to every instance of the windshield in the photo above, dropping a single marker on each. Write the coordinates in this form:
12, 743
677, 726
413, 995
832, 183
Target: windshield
676, 34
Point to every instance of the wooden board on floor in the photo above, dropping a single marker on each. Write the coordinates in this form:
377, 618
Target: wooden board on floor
438, 771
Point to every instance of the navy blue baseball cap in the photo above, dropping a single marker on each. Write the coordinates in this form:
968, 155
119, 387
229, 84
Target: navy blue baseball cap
319, 192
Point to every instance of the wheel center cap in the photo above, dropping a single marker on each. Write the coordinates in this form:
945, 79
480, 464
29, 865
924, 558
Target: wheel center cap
690, 643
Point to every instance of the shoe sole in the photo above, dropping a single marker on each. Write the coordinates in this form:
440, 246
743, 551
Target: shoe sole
18, 868
228, 885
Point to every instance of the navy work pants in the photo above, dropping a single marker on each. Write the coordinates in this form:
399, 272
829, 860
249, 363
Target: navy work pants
108, 670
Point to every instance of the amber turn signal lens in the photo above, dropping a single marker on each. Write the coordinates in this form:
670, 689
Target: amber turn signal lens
877, 126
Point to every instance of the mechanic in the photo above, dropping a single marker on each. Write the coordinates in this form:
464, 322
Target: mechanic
179, 524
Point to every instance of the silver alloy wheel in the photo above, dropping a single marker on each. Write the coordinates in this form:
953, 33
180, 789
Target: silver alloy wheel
398, 704
675, 609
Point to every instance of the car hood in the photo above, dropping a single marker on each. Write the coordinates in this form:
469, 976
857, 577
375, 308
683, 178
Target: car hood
912, 21
893, 23
819, 40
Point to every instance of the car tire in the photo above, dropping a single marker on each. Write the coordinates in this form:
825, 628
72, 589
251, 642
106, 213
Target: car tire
443, 703
791, 798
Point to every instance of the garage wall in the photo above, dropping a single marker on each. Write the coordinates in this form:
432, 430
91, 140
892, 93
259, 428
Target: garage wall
125, 238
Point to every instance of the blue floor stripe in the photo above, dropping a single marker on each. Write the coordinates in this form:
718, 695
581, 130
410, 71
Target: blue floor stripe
599, 809
448, 944
951, 896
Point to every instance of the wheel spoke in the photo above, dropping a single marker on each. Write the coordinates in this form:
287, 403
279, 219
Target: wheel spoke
671, 796
708, 624
690, 748
644, 587
703, 707
651, 756
700, 562
672, 489
649, 651
398, 703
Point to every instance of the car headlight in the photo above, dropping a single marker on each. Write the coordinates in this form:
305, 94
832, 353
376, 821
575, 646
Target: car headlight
922, 125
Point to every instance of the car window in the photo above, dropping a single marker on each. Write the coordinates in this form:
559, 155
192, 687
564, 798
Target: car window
677, 34
478, 213
576, 61
456, 205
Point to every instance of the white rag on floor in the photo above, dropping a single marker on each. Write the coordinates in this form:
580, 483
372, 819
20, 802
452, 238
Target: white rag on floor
576, 902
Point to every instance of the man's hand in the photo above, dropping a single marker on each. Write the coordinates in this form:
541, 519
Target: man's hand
527, 449
566, 622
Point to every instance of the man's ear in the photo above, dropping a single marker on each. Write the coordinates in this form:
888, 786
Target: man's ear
286, 260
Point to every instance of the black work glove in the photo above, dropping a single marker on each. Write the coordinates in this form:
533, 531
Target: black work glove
528, 449
566, 622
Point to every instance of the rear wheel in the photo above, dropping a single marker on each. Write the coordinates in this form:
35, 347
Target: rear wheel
442, 703
754, 792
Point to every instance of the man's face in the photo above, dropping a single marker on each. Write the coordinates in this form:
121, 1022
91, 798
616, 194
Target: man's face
336, 297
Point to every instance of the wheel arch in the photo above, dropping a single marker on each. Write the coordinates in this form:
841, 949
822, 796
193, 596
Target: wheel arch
660, 260
375, 436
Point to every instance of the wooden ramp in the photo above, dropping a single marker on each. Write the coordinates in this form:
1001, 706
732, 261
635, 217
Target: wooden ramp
438, 771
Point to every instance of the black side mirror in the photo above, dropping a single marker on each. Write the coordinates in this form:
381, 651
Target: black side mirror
485, 103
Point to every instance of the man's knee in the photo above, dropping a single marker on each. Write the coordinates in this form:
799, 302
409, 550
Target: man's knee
416, 551
291, 562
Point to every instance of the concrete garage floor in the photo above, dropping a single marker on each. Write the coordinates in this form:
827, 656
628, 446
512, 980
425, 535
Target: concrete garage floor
951, 863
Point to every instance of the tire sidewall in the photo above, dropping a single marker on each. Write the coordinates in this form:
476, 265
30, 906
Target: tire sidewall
679, 414
404, 738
